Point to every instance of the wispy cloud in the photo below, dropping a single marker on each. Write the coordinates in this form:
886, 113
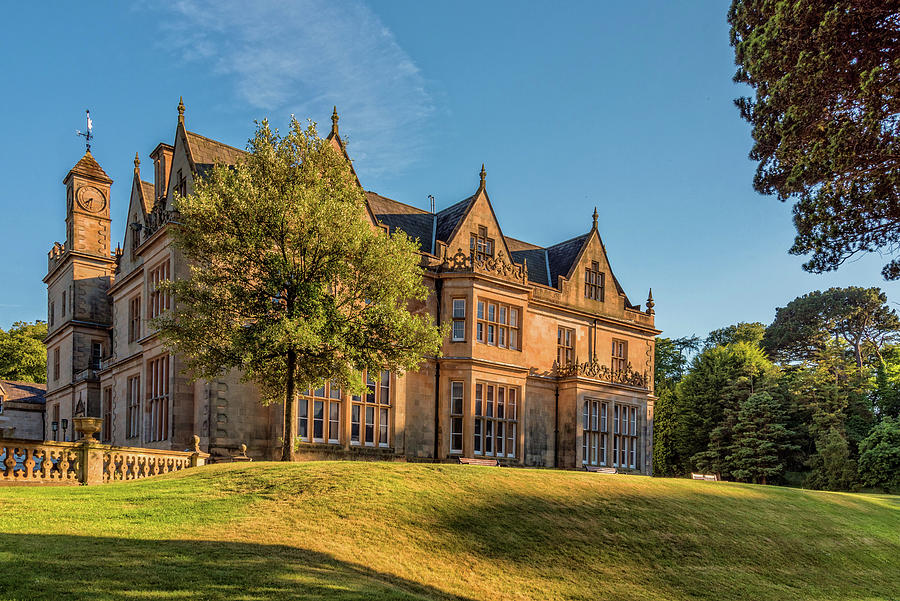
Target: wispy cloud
303, 56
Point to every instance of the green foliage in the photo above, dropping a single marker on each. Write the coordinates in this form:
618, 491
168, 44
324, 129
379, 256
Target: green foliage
751, 333
857, 317
22, 353
670, 359
665, 424
826, 75
761, 440
832, 466
288, 281
719, 380
886, 385
879, 456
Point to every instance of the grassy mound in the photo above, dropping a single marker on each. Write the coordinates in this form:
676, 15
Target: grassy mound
359, 531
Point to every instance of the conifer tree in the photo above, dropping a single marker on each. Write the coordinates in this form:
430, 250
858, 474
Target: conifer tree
761, 440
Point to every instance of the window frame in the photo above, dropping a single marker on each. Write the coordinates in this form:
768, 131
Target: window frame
494, 321
457, 411
496, 420
458, 320
480, 245
619, 362
565, 345
594, 282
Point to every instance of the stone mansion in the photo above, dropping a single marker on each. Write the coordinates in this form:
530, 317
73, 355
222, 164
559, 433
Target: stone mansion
548, 363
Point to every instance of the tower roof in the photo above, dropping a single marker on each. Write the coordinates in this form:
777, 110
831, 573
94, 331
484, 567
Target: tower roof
88, 167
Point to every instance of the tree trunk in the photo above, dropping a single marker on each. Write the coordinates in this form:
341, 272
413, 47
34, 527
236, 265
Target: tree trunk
290, 409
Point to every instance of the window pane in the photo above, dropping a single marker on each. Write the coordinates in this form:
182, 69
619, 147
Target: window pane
479, 335
480, 309
459, 307
459, 330
514, 339
302, 419
385, 387
584, 416
489, 405
370, 425
490, 334
478, 435
456, 398
354, 424
383, 427
489, 437
334, 390
492, 312
501, 398
320, 392
456, 437
514, 317
334, 419
318, 419
478, 388
511, 440
370, 386
502, 314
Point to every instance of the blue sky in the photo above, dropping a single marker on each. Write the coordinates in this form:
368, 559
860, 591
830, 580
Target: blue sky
626, 106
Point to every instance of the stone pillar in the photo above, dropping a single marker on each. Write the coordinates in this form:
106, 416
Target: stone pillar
197, 456
90, 451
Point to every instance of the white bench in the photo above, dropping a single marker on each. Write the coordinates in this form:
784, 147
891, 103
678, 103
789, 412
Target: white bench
710, 477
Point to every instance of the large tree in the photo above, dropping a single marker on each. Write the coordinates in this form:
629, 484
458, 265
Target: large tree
22, 353
720, 379
289, 282
826, 119
857, 317
751, 333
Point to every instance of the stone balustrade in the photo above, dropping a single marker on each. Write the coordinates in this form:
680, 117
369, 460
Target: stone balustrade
87, 461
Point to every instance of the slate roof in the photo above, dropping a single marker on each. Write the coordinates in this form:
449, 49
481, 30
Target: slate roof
415, 222
23, 392
561, 256
537, 263
207, 152
89, 167
148, 191
449, 217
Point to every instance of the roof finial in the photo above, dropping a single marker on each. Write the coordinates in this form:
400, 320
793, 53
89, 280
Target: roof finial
483, 175
650, 303
137, 163
334, 122
181, 109
595, 217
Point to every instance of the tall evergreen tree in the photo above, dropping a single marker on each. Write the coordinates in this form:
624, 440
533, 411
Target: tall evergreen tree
826, 76
719, 380
761, 440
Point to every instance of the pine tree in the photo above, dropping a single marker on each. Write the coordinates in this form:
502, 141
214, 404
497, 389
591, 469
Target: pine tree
761, 440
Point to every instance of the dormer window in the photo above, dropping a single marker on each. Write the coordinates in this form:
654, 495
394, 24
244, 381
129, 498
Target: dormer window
481, 245
594, 282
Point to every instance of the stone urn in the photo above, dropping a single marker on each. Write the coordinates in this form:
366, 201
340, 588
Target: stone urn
87, 426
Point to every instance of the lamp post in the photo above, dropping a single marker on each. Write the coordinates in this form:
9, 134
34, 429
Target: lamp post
65, 425
55, 427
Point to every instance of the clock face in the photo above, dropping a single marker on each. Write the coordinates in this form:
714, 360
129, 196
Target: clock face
91, 199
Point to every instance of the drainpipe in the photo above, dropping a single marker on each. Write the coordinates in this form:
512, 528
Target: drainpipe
556, 430
438, 289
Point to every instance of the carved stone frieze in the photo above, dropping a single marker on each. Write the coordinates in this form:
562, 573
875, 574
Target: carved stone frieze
497, 266
596, 371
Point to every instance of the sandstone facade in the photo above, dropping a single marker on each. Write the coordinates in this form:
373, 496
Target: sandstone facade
548, 362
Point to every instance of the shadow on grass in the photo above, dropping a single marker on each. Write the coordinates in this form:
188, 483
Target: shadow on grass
103, 568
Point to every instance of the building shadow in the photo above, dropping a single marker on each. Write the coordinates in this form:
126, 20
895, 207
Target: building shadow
39, 566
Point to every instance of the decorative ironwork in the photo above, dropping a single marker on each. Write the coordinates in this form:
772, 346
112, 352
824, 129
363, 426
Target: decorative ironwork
604, 373
497, 266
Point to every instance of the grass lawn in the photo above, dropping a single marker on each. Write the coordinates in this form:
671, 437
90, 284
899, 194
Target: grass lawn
346, 530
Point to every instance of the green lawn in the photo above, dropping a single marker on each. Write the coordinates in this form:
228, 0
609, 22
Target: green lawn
345, 530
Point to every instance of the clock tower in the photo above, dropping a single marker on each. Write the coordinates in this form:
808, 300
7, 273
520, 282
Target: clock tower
87, 208
80, 271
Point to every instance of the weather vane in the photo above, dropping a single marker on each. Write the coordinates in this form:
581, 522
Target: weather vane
89, 134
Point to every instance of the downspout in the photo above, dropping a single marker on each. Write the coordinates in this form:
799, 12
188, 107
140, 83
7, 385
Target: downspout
438, 290
556, 430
